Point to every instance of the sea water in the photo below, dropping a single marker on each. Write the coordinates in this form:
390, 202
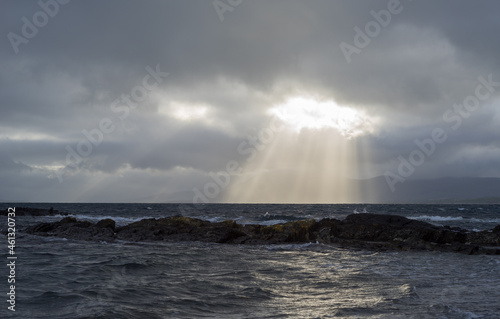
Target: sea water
60, 278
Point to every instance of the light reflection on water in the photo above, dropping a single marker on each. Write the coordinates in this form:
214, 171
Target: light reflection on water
193, 280
346, 284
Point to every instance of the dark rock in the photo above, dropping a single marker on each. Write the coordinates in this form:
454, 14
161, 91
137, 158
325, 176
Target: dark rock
66, 220
378, 227
106, 223
484, 237
180, 228
70, 228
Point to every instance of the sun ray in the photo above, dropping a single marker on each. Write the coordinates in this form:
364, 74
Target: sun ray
307, 162
313, 171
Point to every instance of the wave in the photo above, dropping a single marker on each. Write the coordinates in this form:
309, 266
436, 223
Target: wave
355, 211
268, 219
120, 221
265, 219
291, 246
216, 219
486, 220
437, 218
456, 218
270, 222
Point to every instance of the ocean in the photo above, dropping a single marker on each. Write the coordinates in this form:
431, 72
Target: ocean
60, 278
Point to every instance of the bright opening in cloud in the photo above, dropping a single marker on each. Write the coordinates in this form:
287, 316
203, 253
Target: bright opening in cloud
185, 112
307, 113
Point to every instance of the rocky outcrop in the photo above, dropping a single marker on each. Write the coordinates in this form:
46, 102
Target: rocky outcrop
70, 228
376, 231
180, 229
28, 211
363, 231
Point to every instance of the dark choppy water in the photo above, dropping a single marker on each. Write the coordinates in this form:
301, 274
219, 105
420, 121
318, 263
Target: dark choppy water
58, 278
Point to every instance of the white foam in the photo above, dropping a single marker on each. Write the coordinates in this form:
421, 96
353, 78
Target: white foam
355, 211
291, 246
464, 314
486, 220
120, 221
437, 218
216, 219
55, 239
271, 222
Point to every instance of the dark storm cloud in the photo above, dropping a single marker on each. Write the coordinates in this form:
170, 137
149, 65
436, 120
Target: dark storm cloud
65, 78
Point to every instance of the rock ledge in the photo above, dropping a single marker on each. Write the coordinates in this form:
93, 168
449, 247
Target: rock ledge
361, 231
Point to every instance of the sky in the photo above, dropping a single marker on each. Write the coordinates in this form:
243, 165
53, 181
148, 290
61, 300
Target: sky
243, 100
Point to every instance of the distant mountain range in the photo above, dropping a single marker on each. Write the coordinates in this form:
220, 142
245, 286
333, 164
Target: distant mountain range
441, 190
376, 190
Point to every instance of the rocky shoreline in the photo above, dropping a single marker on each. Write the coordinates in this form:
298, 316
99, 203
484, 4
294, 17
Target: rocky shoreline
360, 231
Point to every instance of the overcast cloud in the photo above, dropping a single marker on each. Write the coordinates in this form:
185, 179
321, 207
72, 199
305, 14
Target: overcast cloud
224, 78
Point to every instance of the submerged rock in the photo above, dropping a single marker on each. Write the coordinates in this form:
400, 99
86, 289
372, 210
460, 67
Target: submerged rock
364, 231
